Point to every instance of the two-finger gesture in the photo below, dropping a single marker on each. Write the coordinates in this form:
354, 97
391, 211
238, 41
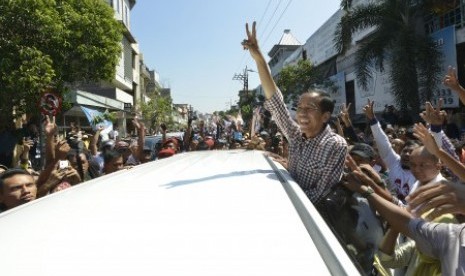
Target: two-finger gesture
450, 79
251, 43
50, 127
434, 116
344, 115
369, 110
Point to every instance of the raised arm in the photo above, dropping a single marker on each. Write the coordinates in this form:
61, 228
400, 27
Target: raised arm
50, 129
396, 216
457, 168
251, 44
141, 137
451, 81
93, 144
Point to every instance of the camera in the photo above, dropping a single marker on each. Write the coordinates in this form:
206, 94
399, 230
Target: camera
63, 164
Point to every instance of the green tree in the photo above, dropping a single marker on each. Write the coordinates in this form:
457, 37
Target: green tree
295, 79
53, 43
398, 39
158, 110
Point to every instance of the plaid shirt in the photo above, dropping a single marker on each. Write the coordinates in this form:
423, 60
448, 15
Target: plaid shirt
316, 164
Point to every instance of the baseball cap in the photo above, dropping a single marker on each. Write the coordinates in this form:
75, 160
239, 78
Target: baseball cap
108, 143
363, 150
121, 145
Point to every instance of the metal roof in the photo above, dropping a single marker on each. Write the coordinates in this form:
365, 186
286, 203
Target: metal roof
200, 213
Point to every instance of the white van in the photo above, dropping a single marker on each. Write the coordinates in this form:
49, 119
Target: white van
198, 213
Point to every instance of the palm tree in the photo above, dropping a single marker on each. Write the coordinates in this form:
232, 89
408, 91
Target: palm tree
398, 39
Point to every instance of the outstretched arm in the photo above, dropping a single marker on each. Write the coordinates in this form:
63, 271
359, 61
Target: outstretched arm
251, 44
396, 216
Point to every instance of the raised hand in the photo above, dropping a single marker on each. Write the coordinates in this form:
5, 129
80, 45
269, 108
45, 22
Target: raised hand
344, 115
443, 198
138, 124
50, 127
434, 116
72, 176
251, 42
423, 134
369, 110
61, 150
450, 79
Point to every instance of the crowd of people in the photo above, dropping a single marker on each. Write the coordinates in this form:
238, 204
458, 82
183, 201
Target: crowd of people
395, 195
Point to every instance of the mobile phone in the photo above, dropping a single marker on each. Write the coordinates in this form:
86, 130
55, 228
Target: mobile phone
63, 164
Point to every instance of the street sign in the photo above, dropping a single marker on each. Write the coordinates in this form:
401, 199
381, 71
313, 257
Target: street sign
127, 106
50, 103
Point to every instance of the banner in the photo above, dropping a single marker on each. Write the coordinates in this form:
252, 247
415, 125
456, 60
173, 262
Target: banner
96, 119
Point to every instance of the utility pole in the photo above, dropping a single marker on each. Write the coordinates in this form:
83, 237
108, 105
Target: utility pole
244, 77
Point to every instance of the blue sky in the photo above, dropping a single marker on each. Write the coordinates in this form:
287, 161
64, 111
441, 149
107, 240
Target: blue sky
195, 44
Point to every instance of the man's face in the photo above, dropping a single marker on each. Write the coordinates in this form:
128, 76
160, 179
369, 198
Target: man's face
74, 163
423, 168
309, 115
405, 156
18, 189
114, 165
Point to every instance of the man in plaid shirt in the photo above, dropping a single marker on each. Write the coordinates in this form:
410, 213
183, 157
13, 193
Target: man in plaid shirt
316, 154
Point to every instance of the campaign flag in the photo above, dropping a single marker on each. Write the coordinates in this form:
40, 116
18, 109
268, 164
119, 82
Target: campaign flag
96, 119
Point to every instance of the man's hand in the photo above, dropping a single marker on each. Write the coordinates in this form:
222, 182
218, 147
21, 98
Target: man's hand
251, 42
434, 116
423, 134
139, 125
443, 198
61, 150
50, 127
72, 176
344, 115
451, 80
27, 145
163, 127
369, 110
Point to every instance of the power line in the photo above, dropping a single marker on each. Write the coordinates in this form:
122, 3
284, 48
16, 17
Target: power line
244, 55
287, 6
269, 20
266, 9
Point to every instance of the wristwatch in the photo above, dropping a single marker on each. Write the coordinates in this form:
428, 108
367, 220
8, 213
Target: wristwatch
368, 192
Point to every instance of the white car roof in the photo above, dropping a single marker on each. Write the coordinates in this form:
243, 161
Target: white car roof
199, 213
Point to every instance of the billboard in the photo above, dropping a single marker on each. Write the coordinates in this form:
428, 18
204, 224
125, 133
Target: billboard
445, 40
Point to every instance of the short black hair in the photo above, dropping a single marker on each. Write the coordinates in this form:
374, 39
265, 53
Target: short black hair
110, 155
326, 103
10, 173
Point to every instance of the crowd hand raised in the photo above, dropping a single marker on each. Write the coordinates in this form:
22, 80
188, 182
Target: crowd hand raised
72, 176
443, 198
27, 144
61, 150
423, 134
369, 110
50, 127
137, 124
56, 176
344, 115
434, 116
251, 43
163, 127
451, 80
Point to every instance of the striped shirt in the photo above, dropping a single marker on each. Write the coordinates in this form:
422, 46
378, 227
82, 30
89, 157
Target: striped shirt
316, 164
